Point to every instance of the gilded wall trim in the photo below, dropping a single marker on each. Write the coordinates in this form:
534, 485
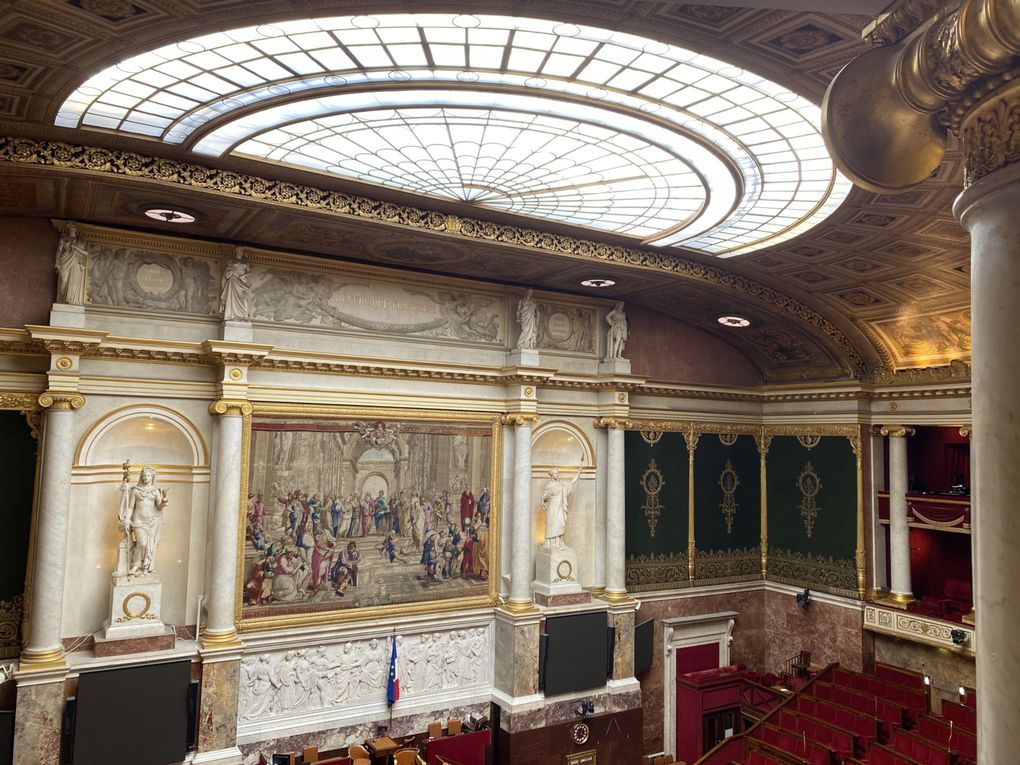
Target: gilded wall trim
726, 566
21, 151
657, 572
838, 577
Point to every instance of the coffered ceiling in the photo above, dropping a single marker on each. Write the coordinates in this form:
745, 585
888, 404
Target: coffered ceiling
882, 283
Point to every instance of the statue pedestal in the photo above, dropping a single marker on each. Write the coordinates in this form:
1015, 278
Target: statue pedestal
614, 367
556, 577
237, 331
67, 315
135, 608
527, 357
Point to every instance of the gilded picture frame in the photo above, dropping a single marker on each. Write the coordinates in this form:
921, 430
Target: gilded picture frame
352, 513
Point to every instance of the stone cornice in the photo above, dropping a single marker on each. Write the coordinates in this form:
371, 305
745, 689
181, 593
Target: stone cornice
71, 158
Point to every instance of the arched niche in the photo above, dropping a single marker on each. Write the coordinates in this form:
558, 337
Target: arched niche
147, 434
562, 445
143, 434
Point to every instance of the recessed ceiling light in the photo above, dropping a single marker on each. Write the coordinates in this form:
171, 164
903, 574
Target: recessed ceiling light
734, 321
169, 216
597, 283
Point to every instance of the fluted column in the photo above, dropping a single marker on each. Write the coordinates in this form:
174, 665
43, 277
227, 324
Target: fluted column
899, 529
44, 647
616, 516
521, 573
221, 588
988, 209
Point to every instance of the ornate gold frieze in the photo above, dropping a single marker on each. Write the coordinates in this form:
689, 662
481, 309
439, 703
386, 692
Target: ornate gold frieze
824, 573
10, 626
657, 571
954, 371
723, 566
94, 159
19, 401
809, 484
652, 483
728, 482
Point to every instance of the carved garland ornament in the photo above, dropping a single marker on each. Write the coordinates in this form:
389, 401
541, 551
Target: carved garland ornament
728, 482
809, 442
93, 159
728, 439
651, 437
652, 483
809, 484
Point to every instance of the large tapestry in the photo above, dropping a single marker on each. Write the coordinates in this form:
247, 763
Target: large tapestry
351, 512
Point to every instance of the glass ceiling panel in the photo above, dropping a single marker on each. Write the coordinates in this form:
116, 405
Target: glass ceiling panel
190, 93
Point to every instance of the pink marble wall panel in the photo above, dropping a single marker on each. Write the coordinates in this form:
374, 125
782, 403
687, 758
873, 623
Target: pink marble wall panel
831, 633
663, 348
27, 251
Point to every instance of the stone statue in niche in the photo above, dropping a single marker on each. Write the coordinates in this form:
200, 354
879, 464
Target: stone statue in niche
618, 332
140, 519
555, 501
70, 266
527, 317
236, 288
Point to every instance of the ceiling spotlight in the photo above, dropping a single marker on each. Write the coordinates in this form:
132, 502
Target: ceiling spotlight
169, 216
734, 321
597, 283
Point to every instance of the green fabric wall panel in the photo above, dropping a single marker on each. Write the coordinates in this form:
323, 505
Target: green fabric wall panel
656, 560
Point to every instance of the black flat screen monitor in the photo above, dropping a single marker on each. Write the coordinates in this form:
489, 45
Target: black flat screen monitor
577, 652
136, 715
644, 641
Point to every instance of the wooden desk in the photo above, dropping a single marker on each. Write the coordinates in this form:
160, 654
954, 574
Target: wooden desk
382, 749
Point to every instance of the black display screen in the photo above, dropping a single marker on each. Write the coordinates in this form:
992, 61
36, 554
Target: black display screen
577, 652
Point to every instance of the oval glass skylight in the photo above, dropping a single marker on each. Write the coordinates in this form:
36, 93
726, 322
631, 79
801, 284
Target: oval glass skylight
572, 123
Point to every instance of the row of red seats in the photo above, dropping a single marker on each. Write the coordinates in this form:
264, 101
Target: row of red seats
954, 737
796, 744
904, 677
840, 741
864, 727
891, 714
964, 716
912, 700
920, 750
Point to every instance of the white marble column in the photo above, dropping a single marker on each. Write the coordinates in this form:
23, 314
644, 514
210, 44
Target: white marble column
616, 549
988, 209
899, 531
44, 648
521, 573
221, 587
601, 493
506, 509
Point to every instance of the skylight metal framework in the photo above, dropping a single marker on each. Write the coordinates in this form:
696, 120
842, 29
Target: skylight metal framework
625, 134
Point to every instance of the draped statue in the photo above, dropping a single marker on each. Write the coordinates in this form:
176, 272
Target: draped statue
236, 288
618, 332
527, 317
141, 520
555, 501
70, 267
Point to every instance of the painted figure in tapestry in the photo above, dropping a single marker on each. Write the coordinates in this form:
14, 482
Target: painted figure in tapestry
359, 514
140, 520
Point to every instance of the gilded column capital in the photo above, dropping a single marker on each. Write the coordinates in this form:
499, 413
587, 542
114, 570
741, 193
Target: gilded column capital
612, 423
65, 401
896, 431
230, 407
883, 116
966, 431
520, 419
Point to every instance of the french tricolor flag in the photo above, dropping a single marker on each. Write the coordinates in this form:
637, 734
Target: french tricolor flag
393, 685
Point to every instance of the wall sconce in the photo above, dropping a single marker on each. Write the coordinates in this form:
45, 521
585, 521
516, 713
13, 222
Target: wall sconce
803, 598
959, 636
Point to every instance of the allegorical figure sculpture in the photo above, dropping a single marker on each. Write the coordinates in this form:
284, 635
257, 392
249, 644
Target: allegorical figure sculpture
555, 501
236, 288
527, 317
141, 519
618, 332
70, 266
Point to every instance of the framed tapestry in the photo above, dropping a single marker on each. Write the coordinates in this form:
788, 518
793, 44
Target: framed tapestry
355, 513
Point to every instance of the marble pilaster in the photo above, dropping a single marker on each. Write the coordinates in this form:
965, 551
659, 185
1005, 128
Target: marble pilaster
50, 555
616, 553
516, 668
217, 714
599, 568
899, 529
988, 210
622, 618
38, 716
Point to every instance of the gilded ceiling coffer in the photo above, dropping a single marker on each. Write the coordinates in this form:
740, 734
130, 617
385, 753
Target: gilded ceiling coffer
886, 115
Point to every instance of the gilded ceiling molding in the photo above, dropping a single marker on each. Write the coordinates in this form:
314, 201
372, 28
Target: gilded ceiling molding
22, 151
954, 371
900, 19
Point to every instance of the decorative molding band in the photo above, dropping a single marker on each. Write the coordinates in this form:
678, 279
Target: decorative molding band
955, 371
657, 572
837, 577
91, 159
726, 566
230, 407
61, 401
908, 625
21, 402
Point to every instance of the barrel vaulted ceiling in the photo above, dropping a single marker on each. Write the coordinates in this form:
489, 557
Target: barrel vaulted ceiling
882, 282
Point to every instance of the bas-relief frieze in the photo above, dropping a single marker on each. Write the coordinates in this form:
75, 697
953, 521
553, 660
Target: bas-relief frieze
121, 276
287, 683
566, 328
324, 300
